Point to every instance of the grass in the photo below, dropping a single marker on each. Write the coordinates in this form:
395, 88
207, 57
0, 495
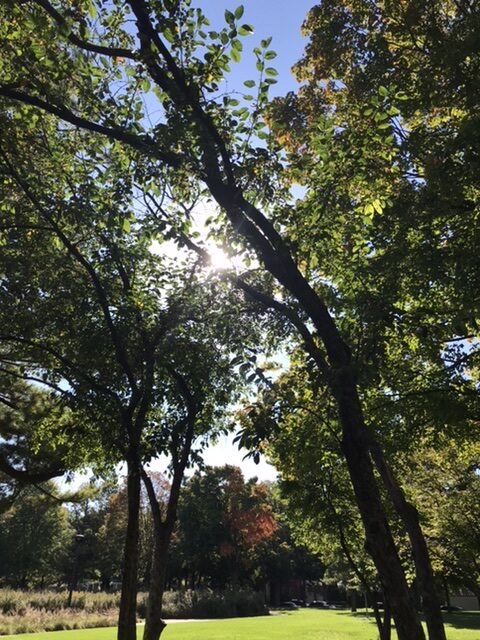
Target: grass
305, 624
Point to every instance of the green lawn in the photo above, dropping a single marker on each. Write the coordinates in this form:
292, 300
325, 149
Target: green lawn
304, 624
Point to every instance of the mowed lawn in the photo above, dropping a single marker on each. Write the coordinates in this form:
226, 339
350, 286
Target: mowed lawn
305, 624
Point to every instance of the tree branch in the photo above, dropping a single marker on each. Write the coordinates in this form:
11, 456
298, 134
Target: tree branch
113, 52
145, 144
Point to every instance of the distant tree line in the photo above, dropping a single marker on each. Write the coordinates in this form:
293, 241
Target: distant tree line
230, 533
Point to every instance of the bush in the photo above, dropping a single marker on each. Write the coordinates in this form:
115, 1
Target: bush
206, 603
28, 612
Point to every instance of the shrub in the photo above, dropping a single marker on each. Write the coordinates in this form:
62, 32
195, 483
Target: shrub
206, 603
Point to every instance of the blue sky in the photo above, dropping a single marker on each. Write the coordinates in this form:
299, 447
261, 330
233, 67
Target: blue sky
280, 19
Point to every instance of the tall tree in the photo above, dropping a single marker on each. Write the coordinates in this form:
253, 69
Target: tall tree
210, 141
111, 327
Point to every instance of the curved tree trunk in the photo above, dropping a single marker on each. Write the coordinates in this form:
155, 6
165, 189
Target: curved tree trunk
421, 557
127, 618
381, 545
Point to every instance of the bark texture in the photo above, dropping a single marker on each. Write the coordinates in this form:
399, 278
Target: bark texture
421, 557
127, 618
381, 545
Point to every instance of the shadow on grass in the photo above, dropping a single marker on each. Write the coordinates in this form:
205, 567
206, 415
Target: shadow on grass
458, 620
463, 619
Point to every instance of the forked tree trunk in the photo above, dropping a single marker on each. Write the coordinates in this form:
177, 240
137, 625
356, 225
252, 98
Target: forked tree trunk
127, 618
421, 557
381, 545
163, 528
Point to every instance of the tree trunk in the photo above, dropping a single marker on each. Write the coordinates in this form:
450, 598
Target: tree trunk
387, 619
380, 543
353, 601
360, 575
127, 618
447, 591
421, 557
154, 625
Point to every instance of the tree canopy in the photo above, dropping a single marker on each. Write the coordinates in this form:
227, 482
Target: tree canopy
366, 273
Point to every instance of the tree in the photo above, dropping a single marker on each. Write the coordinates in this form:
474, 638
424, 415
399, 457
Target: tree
146, 364
34, 430
34, 539
391, 174
223, 521
212, 145
445, 482
284, 424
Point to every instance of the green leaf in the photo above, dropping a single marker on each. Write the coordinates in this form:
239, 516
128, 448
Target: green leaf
229, 17
249, 83
270, 55
239, 12
245, 30
235, 55
169, 35
92, 10
270, 71
126, 225
383, 91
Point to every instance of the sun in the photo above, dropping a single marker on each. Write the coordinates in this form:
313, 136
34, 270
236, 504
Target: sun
218, 258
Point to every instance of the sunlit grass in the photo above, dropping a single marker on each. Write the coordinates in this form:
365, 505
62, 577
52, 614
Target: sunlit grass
304, 624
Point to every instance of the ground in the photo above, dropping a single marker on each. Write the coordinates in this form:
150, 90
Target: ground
305, 624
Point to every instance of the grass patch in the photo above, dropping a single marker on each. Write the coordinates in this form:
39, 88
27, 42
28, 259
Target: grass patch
305, 624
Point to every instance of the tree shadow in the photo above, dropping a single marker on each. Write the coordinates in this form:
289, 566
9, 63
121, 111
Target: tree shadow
463, 619
457, 620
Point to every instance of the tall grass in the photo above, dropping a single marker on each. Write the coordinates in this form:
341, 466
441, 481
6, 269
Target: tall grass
28, 612
16, 602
